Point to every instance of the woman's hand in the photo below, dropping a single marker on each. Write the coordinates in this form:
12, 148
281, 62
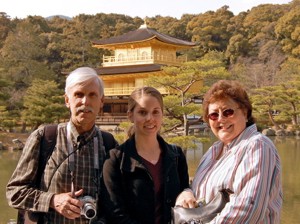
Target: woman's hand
186, 199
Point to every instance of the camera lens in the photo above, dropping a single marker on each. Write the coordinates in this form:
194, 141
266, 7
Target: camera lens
89, 208
90, 212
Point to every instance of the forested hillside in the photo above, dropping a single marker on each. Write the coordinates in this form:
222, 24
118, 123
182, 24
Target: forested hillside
261, 48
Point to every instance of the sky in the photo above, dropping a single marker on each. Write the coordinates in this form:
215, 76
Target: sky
141, 8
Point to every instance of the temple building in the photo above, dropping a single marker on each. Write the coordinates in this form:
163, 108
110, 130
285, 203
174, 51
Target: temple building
136, 56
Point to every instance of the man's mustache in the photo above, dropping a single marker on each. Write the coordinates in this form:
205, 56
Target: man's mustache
84, 109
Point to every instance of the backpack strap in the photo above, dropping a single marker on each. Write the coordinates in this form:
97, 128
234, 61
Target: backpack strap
47, 145
109, 141
48, 142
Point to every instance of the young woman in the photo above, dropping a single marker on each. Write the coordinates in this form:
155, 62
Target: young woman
143, 176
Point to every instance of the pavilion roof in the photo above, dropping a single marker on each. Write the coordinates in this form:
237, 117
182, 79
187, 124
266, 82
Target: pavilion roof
141, 35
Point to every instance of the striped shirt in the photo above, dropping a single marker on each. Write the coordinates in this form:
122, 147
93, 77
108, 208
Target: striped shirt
57, 177
250, 168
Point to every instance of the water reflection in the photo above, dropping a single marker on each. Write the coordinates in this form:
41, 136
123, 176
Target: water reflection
288, 148
8, 162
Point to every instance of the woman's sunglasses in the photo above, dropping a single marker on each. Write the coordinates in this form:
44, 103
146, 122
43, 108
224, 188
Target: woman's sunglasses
225, 113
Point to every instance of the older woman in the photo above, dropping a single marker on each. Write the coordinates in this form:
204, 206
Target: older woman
243, 161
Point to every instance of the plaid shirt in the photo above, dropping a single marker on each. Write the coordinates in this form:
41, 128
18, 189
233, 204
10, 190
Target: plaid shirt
57, 176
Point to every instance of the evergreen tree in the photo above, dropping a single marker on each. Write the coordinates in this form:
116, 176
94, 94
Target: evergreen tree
44, 103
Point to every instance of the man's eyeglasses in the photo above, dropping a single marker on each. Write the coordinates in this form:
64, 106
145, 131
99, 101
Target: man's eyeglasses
225, 113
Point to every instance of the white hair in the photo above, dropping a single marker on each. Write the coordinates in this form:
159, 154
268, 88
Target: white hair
81, 75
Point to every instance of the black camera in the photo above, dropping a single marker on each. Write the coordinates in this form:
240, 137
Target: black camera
89, 208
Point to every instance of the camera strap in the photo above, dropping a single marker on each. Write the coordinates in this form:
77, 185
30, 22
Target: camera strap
71, 161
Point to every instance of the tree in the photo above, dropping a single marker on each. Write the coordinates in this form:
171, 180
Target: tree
288, 82
261, 70
185, 142
4, 93
289, 94
260, 18
24, 52
288, 31
280, 103
238, 46
175, 28
5, 27
185, 83
264, 104
254, 45
209, 30
7, 119
289, 70
44, 103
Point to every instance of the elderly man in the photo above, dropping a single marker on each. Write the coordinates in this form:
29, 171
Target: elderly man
67, 190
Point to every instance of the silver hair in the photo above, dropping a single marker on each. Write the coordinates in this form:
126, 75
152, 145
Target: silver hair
81, 75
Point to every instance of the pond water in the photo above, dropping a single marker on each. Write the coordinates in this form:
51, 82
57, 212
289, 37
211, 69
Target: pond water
288, 148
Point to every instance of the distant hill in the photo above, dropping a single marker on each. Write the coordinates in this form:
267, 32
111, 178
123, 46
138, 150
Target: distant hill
60, 16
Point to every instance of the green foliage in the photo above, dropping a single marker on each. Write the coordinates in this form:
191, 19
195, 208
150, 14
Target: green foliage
44, 103
289, 70
185, 83
4, 91
259, 47
5, 27
25, 43
288, 94
175, 28
120, 137
288, 31
7, 119
186, 142
209, 30
264, 103
261, 17
282, 98
171, 123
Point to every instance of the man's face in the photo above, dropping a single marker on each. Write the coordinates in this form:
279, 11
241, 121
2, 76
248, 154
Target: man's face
85, 103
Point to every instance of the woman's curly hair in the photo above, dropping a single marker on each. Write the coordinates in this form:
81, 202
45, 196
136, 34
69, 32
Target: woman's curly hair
228, 89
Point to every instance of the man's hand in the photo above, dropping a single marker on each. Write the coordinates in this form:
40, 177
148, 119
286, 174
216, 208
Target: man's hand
186, 199
66, 205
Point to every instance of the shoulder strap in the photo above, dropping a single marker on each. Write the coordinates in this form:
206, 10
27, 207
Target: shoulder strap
109, 141
47, 145
48, 142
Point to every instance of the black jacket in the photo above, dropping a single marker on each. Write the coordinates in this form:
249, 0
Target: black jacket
128, 191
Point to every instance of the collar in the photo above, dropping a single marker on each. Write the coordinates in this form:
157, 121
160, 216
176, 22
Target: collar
84, 137
130, 158
243, 137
